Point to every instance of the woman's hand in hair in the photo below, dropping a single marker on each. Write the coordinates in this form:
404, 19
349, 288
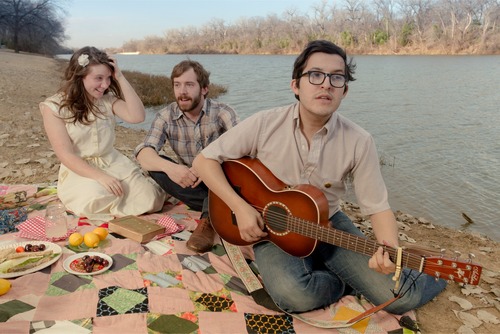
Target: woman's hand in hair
117, 72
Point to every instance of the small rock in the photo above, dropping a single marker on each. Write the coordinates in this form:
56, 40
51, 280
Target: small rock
487, 317
22, 161
424, 221
28, 172
406, 238
472, 290
403, 226
468, 319
4, 174
464, 303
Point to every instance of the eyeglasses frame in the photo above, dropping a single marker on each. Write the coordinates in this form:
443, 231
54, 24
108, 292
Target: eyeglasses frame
329, 75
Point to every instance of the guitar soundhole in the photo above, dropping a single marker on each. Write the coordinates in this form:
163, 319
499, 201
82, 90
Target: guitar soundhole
275, 216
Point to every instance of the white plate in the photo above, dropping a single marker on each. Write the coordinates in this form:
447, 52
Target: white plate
67, 262
48, 246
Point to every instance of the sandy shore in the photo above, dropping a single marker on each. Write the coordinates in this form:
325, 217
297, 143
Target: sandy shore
26, 157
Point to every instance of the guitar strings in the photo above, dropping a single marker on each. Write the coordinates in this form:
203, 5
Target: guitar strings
286, 222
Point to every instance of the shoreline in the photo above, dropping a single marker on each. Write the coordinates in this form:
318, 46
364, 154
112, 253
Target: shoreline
26, 157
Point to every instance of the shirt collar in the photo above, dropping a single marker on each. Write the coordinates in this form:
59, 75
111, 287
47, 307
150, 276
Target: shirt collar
177, 114
328, 127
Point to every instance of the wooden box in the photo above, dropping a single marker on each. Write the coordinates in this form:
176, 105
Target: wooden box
135, 228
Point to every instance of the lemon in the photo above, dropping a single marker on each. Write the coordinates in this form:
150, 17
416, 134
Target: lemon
4, 286
91, 239
101, 232
75, 239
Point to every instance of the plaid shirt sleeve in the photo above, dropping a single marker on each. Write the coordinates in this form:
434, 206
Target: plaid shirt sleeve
156, 136
228, 117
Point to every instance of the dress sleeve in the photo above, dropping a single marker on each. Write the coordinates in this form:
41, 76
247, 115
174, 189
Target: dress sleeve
53, 103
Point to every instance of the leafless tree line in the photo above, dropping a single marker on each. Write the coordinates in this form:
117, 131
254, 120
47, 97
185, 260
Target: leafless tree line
31, 26
361, 26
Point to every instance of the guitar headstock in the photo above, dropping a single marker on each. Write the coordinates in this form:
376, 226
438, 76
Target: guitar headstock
456, 270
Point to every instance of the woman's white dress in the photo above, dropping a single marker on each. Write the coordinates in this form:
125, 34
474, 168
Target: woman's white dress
95, 143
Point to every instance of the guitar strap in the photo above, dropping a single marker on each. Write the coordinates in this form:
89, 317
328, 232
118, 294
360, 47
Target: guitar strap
261, 297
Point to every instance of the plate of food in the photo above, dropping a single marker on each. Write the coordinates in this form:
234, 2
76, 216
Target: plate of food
22, 258
88, 263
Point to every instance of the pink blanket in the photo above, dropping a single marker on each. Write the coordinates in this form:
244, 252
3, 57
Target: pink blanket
160, 287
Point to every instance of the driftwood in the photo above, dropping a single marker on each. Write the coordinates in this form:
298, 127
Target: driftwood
467, 218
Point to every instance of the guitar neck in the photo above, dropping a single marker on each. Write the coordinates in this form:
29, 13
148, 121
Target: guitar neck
351, 242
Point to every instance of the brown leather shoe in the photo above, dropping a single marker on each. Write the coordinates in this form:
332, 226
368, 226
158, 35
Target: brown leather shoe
202, 239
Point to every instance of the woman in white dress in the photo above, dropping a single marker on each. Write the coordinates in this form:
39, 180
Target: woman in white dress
95, 180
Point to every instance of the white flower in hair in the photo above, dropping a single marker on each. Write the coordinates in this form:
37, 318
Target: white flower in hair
83, 60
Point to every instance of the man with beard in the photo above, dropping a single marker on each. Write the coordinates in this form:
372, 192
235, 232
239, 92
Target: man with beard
189, 124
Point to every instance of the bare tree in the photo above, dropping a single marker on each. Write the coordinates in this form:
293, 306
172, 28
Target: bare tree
31, 25
418, 12
321, 17
215, 32
385, 14
491, 17
295, 28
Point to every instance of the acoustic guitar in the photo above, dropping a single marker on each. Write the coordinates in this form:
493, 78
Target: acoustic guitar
296, 219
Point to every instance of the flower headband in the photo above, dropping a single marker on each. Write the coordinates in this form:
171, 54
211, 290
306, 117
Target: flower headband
83, 60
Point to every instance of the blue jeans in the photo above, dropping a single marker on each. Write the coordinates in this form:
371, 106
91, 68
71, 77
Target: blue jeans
195, 198
330, 272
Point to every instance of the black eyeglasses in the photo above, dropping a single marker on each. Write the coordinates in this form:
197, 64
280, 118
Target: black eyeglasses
318, 77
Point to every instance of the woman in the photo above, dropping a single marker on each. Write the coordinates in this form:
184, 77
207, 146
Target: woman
95, 180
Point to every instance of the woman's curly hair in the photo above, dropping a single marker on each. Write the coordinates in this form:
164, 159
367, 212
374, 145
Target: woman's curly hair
75, 97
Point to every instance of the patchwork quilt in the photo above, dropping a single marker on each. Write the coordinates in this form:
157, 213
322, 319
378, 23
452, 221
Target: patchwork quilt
158, 287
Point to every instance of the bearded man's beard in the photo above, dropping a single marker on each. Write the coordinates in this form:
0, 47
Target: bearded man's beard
194, 103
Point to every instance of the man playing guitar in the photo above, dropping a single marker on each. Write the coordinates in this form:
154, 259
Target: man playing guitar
308, 142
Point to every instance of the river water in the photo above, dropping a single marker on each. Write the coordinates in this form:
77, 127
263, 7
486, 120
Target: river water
435, 119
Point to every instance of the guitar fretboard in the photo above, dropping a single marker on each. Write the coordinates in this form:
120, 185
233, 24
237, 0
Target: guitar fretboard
339, 238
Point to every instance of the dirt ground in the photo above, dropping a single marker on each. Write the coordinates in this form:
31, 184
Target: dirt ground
27, 158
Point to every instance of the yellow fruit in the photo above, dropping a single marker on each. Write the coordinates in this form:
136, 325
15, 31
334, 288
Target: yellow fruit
75, 239
91, 239
101, 232
4, 286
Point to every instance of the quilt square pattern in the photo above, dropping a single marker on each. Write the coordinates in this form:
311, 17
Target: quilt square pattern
115, 300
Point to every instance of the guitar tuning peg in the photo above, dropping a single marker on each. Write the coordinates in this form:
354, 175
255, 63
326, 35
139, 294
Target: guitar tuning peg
457, 254
471, 257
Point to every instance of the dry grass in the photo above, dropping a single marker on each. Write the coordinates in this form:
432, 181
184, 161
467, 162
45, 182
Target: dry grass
156, 90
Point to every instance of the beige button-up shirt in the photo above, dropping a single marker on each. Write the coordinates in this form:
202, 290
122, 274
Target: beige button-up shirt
338, 149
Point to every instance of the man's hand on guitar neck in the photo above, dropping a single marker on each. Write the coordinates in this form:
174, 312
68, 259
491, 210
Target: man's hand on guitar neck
385, 228
381, 262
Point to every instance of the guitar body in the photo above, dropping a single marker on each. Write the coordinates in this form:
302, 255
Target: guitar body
278, 204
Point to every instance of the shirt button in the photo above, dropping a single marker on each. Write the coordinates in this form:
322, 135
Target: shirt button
328, 185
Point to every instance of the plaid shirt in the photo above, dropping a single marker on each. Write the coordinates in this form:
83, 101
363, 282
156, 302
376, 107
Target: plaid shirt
186, 137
